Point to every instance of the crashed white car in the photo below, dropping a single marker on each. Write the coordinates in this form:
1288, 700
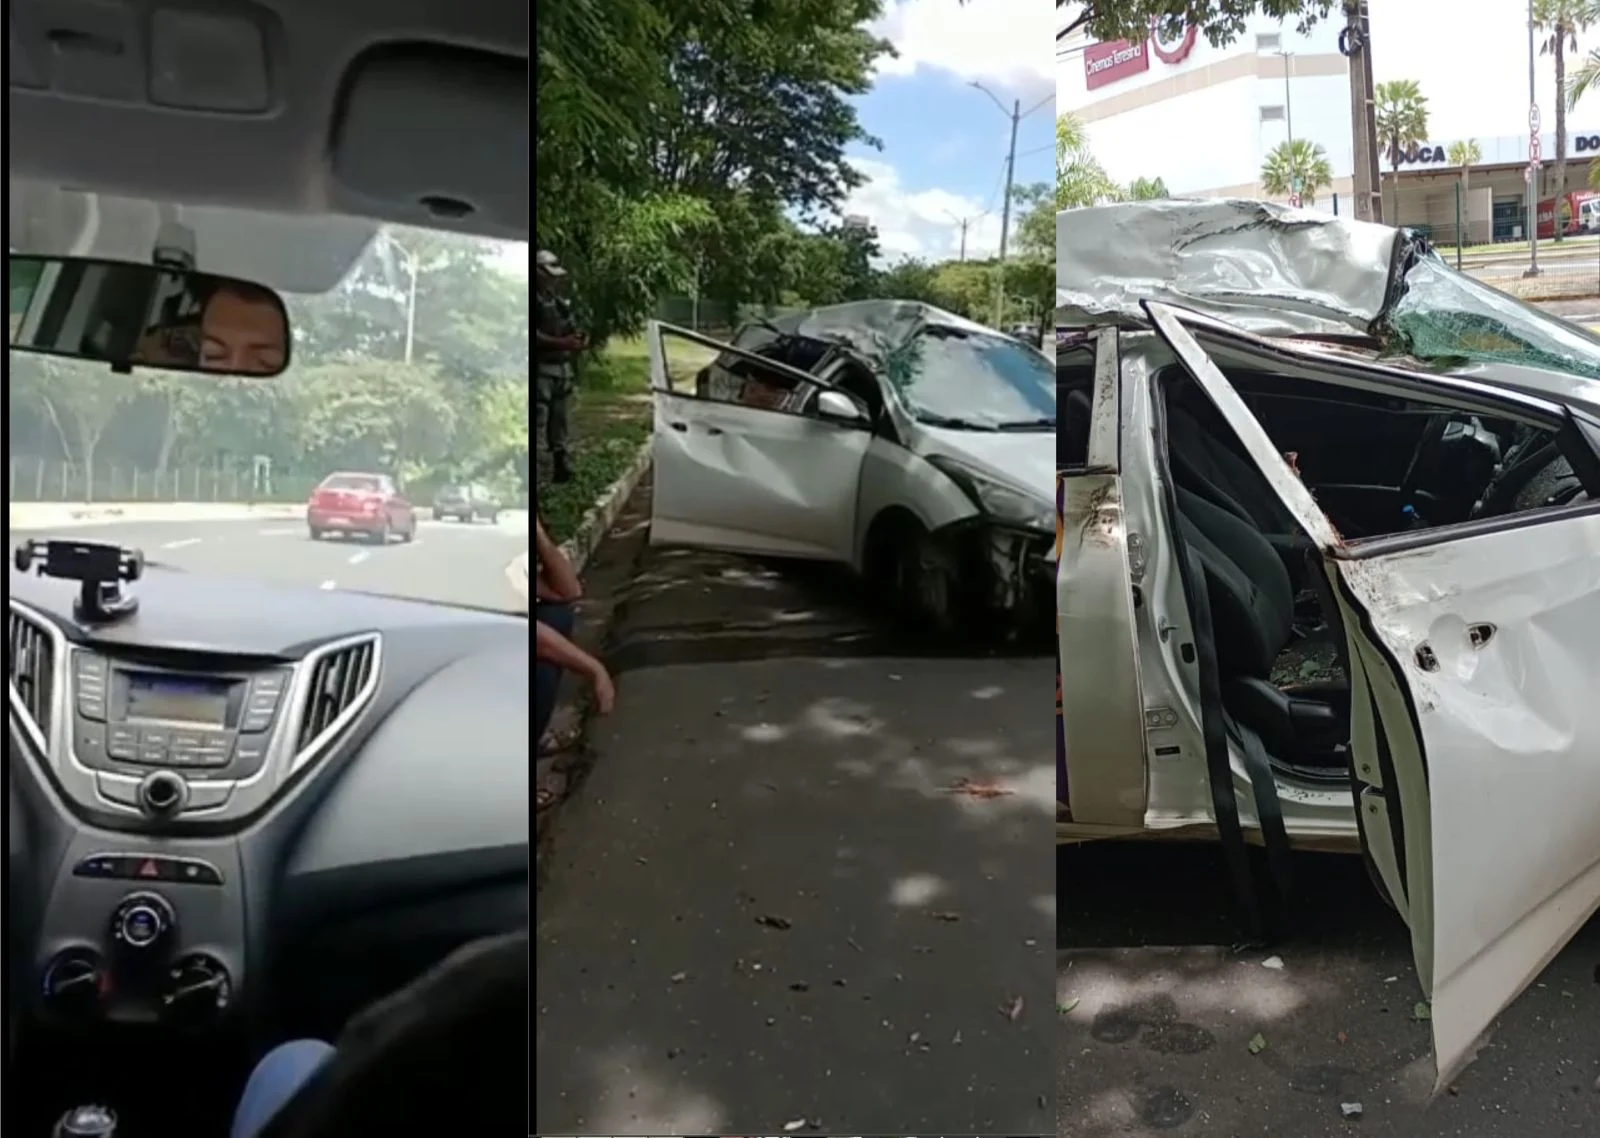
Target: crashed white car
909, 443
1330, 573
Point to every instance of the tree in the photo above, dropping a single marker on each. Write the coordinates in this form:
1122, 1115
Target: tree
910, 279
1463, 156
1147, 190
1080, 179
1561, 20
1298, 166
1402, 121
1222, 21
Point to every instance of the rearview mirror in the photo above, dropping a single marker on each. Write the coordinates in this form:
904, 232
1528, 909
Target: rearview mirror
130, 315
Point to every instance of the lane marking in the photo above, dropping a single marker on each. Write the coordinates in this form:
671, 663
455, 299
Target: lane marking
276, 532
330, 584
358, 558
182, 542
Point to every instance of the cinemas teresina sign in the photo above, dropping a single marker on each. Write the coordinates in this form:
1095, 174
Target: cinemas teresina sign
1105, 63
1108, 62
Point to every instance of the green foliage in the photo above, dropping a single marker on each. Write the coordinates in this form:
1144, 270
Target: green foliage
1402, 117
676, 138
1220, 21
1080, 179
1298, 166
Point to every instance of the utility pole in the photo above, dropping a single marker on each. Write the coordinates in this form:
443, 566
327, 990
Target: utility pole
1016, 114
1533, 159
1288, 97
965, 223
1355, 42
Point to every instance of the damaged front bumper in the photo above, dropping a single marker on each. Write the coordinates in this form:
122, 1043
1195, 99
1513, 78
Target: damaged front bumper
1004, 575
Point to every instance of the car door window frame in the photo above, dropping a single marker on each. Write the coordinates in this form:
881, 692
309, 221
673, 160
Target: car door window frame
1104, 452
1178, 325
659, 332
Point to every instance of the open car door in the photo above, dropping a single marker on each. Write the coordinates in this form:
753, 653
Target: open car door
751, 455
1102, 781
1475, 737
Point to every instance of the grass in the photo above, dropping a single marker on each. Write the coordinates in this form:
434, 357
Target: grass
611, 413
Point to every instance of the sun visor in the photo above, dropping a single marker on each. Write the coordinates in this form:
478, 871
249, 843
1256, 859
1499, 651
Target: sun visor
437, 137
1267, 268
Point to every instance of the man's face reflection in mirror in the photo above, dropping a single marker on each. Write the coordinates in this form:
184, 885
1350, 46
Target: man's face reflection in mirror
243, 331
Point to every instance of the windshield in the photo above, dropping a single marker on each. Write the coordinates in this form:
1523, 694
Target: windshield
1444, 316
409, 376
974, 381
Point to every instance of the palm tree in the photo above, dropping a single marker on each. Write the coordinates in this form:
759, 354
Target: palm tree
1561, 20
1147, 190
1464, 155
1080, 179
1298, 166
1402, 114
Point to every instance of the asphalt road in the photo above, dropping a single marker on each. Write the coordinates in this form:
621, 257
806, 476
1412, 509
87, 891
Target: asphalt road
767, 906
449, 562
1155, 1040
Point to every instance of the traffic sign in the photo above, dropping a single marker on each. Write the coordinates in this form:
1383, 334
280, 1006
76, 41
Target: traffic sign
1533, 118
1294, 200
1534, 148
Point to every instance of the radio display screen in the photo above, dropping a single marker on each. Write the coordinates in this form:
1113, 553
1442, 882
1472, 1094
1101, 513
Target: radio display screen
179, 699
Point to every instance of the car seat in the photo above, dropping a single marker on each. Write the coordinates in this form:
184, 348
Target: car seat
1207, 466
1252, 618
1072, 441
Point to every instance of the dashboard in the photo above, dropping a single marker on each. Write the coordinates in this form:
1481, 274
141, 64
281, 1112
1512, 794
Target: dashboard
212, 787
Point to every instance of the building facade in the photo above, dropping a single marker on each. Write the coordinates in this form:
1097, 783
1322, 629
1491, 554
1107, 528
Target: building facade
1204, 119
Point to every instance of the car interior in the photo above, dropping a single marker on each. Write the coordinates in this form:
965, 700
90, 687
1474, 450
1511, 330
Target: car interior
352, 802
1377, 465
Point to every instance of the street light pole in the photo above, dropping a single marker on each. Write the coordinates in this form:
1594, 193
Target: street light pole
1288, 97
1533, 143
1016, 114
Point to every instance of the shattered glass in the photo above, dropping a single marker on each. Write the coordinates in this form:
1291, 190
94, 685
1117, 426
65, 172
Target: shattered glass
1449, 318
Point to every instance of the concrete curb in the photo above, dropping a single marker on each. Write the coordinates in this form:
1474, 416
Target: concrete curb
597, 519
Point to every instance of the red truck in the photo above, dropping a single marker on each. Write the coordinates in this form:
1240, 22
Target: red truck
1580, 213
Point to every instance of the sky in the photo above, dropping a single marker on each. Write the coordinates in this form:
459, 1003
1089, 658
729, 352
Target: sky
945, 142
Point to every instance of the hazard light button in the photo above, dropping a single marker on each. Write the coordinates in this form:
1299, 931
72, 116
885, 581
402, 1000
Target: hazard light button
140, 867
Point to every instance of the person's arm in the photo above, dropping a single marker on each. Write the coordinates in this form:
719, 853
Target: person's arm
563, 653
558, 581
558, 343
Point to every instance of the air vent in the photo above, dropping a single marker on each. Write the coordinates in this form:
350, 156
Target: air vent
338, 680
30, 663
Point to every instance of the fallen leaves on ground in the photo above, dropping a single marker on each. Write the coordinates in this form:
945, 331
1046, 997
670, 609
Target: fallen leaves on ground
974, 789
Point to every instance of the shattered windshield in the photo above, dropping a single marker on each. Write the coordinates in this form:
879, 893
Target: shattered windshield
972, 380
409, 373
1445, 316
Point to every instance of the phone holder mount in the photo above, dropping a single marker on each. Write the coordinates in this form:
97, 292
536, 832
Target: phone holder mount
99, 567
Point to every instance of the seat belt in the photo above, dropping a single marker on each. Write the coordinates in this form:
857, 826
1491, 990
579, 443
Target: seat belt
1269, 815
1214, 729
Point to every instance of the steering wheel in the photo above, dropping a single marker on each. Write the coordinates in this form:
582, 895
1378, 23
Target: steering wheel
1431, 436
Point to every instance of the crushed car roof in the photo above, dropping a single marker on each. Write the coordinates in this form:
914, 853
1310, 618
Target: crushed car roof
1266, 268
871, 329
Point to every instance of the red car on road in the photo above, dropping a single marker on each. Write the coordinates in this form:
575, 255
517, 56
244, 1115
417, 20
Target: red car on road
366, 504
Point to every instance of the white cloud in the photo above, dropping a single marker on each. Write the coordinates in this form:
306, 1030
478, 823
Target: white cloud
1005, 42
921, 223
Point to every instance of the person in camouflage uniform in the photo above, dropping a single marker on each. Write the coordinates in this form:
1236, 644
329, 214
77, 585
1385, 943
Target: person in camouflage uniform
558, 343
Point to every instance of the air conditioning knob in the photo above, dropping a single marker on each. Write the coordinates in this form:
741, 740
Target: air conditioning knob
163, 794
142, 921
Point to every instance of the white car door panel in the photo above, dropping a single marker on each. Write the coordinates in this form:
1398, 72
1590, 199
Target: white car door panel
1474, 659
748, 479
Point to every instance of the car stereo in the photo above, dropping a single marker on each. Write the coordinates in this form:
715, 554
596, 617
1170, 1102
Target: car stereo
132, 718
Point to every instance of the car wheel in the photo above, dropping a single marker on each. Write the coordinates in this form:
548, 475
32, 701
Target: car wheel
915, 578
493, 518
383, 533
316, 534
409, 534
